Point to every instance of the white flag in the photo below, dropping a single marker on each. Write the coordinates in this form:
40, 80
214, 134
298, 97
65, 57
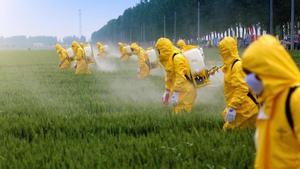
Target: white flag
254, 30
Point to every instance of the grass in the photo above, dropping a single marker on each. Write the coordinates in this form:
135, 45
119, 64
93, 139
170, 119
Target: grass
296, 55
54, 119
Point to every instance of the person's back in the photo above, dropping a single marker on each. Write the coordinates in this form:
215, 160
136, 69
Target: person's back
274, 76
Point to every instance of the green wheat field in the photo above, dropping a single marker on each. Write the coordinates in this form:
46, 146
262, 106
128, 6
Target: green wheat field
54, 119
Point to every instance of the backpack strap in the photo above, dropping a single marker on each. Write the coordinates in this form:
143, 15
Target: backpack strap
174, 56
252, 97
186, 76
234, 62
288, 112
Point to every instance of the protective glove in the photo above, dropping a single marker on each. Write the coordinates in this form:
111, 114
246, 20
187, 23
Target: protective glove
175, 98
230, 115
165, 97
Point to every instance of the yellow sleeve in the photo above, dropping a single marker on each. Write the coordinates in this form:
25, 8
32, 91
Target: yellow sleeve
239, 86
141, 59
60, 56
123, 51
64, 55
79, 54
180, 67
169, 77
295, 110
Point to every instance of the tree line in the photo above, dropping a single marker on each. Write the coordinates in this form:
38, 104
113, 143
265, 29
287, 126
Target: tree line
151, 19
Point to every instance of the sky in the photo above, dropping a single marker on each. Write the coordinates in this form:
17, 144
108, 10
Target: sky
57, 17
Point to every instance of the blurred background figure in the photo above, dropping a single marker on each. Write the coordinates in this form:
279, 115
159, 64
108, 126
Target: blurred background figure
81, 63
184, 47
125, 51
143, 61
274, 76
241, 104
65, 61
102, 52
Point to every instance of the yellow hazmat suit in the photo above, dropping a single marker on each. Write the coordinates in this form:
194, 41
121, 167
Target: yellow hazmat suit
278, 141
237, 93
81, 64
143, 61
124, 53
63, 57
178, 75
101, 50
184, 47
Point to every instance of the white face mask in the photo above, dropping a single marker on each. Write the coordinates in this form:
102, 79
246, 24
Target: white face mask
255, 84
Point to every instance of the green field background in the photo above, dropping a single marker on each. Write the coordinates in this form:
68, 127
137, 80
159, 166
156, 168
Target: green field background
54, 119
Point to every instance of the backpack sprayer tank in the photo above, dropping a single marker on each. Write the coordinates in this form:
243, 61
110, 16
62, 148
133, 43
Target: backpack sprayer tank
89, 54
199, 72
202, 53
128, 50
106, 48
70, 53
88, 51
196, 60
153, 58
152, 55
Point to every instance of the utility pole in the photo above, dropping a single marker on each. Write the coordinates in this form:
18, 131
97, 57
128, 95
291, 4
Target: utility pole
130, 36
144, 35
141, 32
175, 24
164, 25
80, 23
198, 30
271, 17
292, 23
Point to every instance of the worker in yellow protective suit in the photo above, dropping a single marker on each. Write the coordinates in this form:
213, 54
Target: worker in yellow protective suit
178, 74
143, 60
123, 50
274, 76
65, 62
241, 103
184, 47
81, 64
101, 50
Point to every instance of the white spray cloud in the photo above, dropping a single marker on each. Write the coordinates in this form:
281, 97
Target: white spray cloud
141, 91
104, 64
